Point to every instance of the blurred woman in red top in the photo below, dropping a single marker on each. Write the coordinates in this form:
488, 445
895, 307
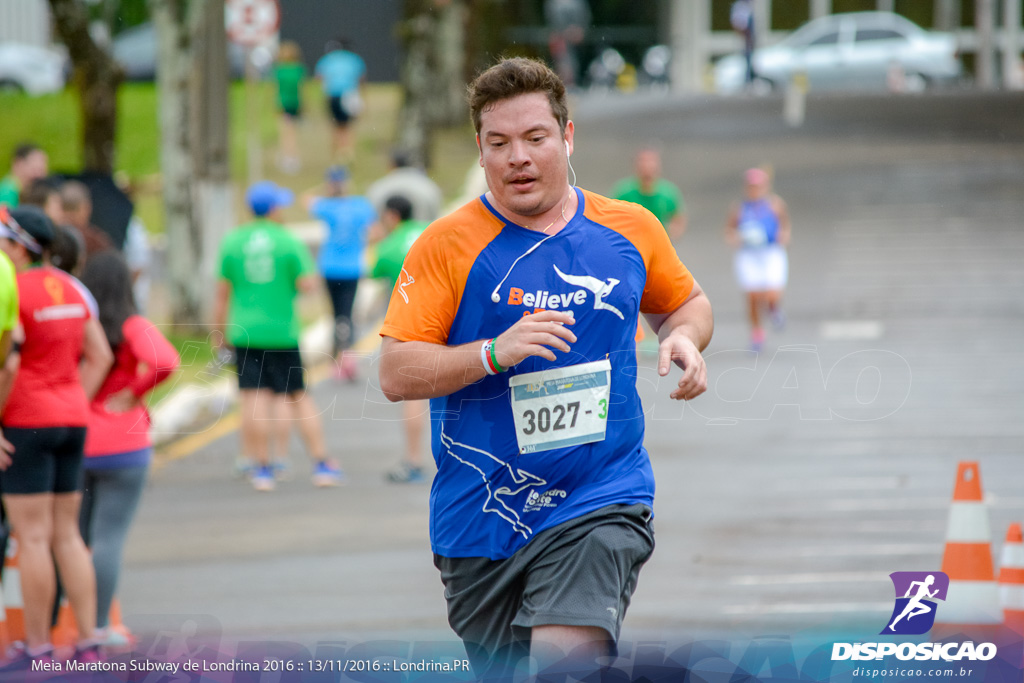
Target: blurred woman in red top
118, 447
64, 358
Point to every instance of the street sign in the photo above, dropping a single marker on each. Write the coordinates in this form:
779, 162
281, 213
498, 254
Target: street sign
251, 22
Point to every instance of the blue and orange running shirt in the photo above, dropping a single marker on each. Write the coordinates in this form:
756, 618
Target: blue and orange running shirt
611, 262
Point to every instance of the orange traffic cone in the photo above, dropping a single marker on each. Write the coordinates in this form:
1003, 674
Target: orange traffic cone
972, 603
1011, 579
14, 607
65, 632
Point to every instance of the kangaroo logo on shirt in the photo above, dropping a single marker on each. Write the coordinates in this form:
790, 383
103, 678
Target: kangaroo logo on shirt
405, 280
600, 288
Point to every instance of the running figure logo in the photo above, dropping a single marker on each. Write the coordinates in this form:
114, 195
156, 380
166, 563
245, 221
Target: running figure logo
914, 613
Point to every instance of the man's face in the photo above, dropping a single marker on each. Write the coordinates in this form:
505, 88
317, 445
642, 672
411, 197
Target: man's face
648, 166
523, 154
756, 190
33, 167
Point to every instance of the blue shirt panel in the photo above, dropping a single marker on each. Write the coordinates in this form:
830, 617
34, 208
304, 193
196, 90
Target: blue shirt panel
348, 222
759, 212
487, 500
340, 71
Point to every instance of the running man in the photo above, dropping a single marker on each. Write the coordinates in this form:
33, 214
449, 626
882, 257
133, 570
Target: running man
541, 509
263, 268
915, 607
342, 73
653, 192
759, 229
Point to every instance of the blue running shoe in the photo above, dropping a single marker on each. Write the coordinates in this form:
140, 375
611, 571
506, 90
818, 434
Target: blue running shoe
406, 474
327, 473
263, 479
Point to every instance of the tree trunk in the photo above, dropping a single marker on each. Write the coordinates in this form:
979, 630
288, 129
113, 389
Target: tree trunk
96, 77
184, 236
418, 68
432, 73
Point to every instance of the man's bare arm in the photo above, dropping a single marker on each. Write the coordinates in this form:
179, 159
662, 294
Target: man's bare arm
683, 334
414, 370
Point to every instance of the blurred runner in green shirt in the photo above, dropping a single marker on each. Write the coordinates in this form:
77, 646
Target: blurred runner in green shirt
263, 268
289, 73
659, 196
401, 231
29, 163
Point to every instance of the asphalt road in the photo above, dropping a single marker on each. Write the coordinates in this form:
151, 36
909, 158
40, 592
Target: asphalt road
790, 491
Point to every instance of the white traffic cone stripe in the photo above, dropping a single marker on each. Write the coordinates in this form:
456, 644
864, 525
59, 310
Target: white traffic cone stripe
970, 602
1011, 596
968, 523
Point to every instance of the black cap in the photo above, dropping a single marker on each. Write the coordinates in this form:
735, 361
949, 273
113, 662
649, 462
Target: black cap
36, 223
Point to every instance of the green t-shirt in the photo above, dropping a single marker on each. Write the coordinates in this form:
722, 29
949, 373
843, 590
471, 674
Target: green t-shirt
263, 261
8, 295
9, 192
392, 249
664, 203
289, 77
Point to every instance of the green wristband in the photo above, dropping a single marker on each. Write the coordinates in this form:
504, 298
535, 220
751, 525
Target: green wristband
494, 358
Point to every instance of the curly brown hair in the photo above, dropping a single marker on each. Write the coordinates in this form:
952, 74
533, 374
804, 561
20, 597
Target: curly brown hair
517, 76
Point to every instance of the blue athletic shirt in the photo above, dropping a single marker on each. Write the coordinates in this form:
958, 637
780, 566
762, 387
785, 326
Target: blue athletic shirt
341, 71
758, 217
348, 222
487, 500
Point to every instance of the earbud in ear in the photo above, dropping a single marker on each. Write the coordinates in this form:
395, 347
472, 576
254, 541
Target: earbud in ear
566, 148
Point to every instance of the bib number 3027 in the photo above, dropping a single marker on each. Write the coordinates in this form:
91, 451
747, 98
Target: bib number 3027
561, 407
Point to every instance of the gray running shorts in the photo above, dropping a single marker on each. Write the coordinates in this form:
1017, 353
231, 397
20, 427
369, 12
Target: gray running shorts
580, 573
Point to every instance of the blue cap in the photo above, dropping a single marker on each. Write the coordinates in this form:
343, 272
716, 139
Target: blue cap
264, 197
337, 174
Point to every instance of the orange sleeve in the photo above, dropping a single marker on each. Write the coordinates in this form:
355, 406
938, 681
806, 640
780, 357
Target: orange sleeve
669, 282
433, 278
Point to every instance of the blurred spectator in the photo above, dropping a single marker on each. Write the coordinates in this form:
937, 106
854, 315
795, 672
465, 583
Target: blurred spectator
8, 300
759, 228
741, 16
400, 231
66, 250
659, 196
29, 163
342, 73
137, 251
263, 268
118, 448
289, 73
348, 219
568, 21
410, 182
64, 358
45, 194
77, 204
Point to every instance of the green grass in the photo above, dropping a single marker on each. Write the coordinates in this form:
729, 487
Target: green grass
52, 121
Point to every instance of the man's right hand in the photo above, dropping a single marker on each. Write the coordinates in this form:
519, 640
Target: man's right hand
536, 334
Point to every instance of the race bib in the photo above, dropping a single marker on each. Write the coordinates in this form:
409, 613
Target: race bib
561, 407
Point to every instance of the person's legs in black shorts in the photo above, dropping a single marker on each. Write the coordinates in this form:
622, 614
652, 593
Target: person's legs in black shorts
579, 574
264, 376
41, 495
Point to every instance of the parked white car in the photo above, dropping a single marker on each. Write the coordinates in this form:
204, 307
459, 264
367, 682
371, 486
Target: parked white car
31, 69
851, 51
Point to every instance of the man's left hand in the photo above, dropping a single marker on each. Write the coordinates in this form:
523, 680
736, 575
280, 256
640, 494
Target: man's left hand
680, 349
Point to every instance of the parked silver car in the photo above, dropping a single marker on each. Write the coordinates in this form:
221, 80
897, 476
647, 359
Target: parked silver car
853, 51
31, 69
